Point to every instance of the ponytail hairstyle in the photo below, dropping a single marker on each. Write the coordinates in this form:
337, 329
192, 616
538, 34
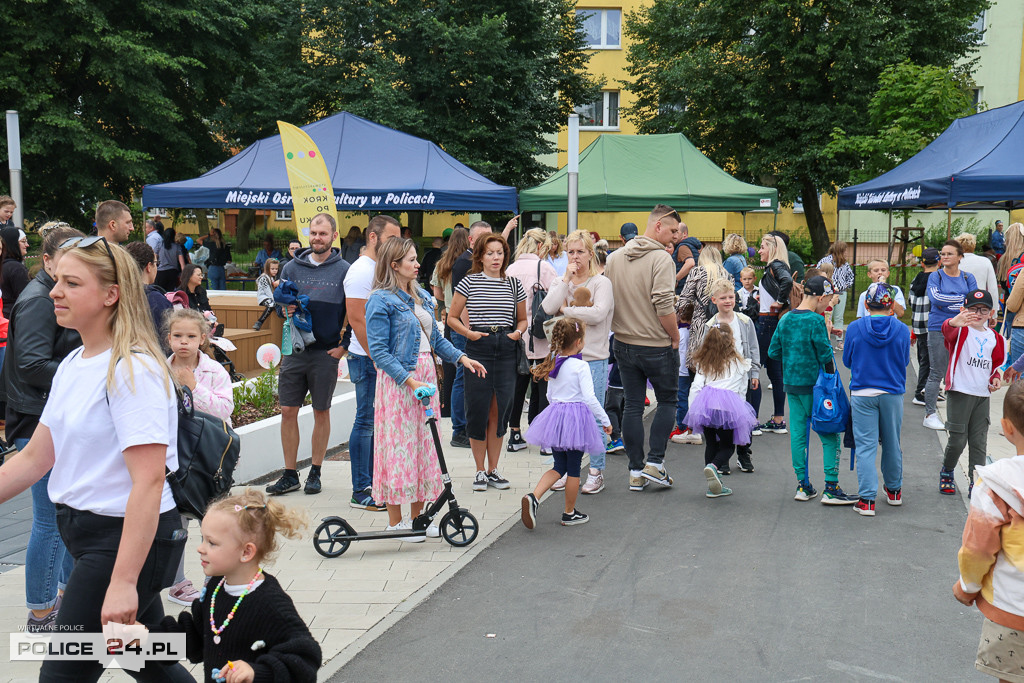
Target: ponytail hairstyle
179, 315
131, 338
260, 520
716, 352
564, 335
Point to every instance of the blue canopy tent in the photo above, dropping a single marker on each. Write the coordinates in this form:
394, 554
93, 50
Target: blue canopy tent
975, 164
372, 168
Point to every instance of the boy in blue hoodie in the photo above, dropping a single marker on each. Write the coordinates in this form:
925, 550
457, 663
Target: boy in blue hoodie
877, 351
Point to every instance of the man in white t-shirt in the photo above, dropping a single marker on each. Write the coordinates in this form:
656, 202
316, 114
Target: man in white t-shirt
358, 283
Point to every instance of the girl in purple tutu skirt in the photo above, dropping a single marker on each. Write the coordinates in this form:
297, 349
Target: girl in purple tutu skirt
718, 408
567, 425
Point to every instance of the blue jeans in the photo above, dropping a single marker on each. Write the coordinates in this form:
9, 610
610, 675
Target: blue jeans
874, 418
215, 274
637, 365
599, 371
360, 442
47, 564
1016, 344
458, 390
683, 399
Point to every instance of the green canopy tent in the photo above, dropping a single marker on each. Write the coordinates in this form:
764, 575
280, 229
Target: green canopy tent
633, 172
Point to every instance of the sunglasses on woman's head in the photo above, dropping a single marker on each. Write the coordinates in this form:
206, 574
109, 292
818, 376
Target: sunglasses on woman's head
86, 242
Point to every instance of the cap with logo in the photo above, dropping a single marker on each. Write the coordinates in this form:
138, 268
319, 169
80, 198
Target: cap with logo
930, 256
879, 296
628, 231
978, 297
818, 286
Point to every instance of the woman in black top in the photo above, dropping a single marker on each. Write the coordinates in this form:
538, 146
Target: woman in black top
220, 254
191, 284
13, 273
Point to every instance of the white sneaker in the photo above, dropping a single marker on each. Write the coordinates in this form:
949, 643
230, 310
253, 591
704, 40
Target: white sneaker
433, 531
933, 422
691, 438
757, 431
405, 525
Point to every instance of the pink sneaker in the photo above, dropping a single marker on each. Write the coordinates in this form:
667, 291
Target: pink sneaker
595, 482
560, 484
183, 593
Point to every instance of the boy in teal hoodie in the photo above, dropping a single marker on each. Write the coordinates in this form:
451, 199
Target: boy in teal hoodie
801, 342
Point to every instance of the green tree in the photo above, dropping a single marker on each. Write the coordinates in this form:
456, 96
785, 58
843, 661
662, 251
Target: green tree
114, 95
760, 85
490, 84
912, 106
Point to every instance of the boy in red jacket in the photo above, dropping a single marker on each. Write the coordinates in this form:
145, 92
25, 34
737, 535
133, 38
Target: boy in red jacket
975, 354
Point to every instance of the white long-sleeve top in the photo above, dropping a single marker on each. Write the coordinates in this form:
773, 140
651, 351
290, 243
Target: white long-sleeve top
982, 270
574, 384
734, 379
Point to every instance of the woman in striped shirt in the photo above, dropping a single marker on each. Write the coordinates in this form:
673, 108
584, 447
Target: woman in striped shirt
842, 280
495, 307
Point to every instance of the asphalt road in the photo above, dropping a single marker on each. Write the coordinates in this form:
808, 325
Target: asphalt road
669, 585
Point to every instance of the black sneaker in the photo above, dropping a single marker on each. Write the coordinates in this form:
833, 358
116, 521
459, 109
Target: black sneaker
286, 484
312, 483
530, 505
460, 440
724, 471
480, 481
515, 441
496, 480
745, 464
918, 400
575, 518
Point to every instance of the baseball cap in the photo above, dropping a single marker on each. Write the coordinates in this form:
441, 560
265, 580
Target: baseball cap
879, 295
628, 231
447, 233
930, 255
978, 297
818, 286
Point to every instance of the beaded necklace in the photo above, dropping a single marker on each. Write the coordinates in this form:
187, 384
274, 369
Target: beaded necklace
231, 614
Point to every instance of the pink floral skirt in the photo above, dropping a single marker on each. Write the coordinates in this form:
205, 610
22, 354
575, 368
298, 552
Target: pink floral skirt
405, 468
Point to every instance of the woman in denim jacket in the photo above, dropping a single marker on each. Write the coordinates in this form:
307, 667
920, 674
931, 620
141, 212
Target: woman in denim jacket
401, 332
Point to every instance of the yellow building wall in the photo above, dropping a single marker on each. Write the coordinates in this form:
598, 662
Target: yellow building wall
610, 64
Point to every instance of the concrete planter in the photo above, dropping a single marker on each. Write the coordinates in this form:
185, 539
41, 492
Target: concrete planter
261, 441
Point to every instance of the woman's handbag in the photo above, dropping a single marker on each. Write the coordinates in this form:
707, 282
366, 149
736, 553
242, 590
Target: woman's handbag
522, 362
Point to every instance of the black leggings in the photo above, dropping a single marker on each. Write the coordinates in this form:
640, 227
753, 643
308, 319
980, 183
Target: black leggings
93, 541
538, 398
717, 447
168, 279
766, 325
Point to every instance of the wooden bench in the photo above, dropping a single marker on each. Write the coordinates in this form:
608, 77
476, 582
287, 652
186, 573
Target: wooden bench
238, 314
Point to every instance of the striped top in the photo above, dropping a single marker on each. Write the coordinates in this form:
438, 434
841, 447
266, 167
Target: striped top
491, 300
842, 278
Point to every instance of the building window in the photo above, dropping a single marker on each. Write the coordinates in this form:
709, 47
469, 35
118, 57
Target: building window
979, 26
602, 28
602, 112
283, 215
976, 98
159, 213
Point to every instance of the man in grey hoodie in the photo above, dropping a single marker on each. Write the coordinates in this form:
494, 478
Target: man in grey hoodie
647, 340
319, 273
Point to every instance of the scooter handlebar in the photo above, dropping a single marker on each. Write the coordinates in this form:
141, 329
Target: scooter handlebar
424, 393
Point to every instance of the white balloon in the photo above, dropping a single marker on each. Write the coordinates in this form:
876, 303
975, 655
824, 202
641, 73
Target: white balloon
268, 355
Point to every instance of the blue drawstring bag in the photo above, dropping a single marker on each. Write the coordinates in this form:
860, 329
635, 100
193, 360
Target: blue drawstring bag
830, 407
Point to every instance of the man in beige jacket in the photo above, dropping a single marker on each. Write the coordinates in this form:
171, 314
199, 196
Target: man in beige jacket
647, 340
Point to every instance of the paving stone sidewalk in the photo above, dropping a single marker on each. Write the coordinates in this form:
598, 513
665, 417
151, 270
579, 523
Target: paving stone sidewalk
343, 598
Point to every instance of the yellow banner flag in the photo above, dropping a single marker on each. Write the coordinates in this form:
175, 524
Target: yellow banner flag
312, 192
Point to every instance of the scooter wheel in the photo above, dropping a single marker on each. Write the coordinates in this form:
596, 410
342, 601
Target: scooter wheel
460, 529
332, 538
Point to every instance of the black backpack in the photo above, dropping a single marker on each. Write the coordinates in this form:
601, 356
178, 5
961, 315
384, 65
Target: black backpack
537, 314
208, 450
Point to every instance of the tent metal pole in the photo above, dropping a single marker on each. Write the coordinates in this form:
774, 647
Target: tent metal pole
744, 214
14, 164
573, 171
889, 240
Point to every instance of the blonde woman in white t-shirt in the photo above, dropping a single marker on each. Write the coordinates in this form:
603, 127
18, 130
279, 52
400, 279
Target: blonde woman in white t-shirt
108, 431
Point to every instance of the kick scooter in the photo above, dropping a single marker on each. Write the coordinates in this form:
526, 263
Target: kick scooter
458, 525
